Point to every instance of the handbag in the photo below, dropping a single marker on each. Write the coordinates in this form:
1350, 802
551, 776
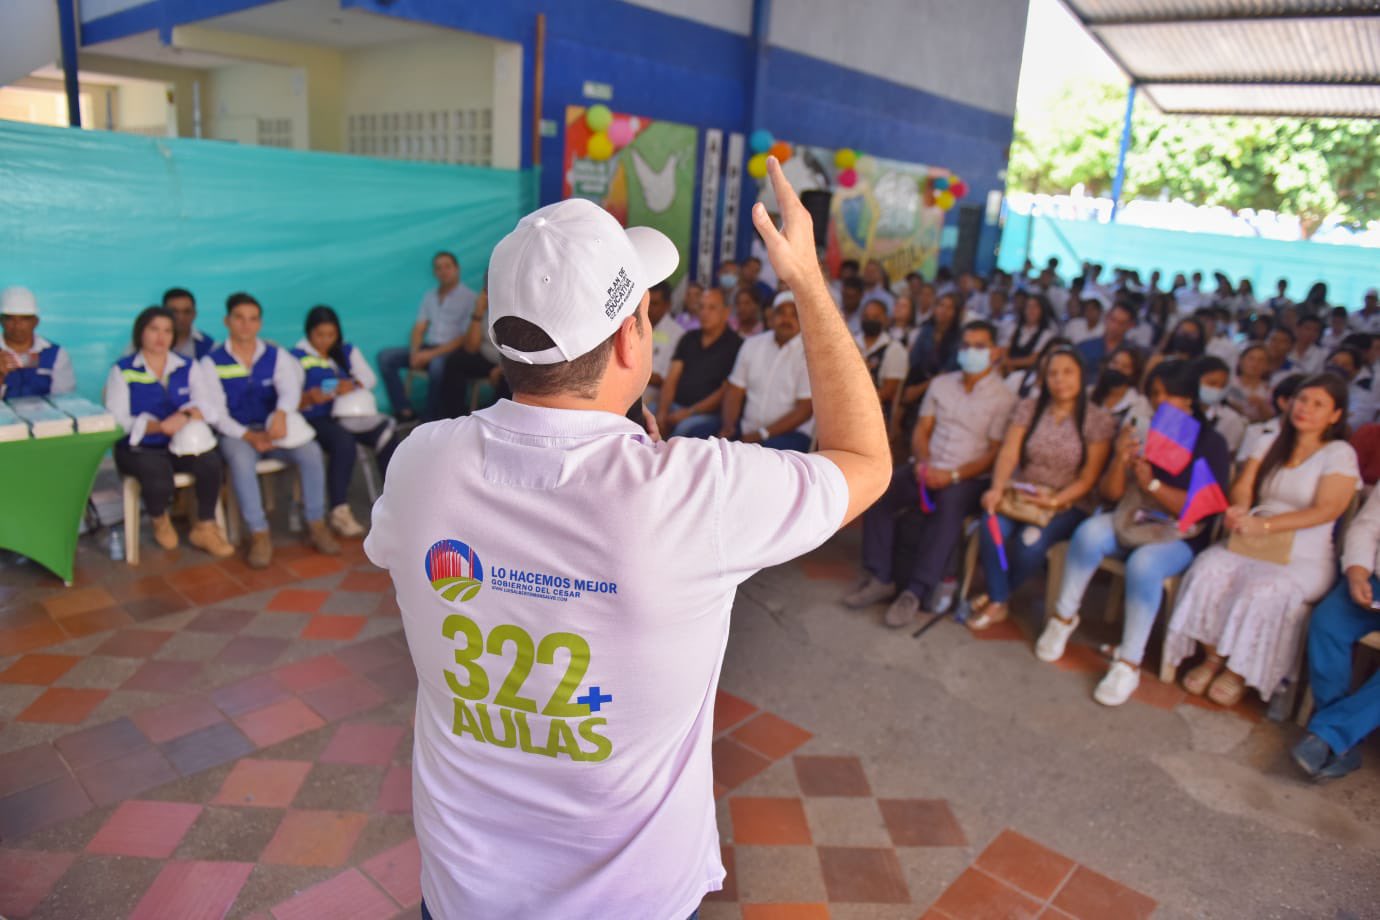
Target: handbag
1275, 548
1139, 520
1016, 505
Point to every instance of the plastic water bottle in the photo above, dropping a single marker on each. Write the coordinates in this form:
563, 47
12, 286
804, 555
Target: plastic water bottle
944, 597
117, 545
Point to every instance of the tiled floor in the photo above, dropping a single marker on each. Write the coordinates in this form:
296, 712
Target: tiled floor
192, 739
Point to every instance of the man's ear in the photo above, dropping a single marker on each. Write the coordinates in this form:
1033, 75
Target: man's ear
627, 341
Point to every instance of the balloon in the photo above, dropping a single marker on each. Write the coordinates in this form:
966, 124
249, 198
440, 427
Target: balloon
846, 158
599, 148
621, 132
941, 183
959, 188
781, 150
757, 166
598, 118
761, 140
848, 178
945, 200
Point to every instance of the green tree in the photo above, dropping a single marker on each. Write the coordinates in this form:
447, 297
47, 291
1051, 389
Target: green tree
1315, 169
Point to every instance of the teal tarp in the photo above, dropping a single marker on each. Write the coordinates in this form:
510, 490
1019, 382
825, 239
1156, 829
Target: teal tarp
98, 225
1347, 270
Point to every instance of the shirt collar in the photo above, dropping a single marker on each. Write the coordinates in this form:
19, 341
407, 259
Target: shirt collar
543, 422
40, 343
174, 361
304, 345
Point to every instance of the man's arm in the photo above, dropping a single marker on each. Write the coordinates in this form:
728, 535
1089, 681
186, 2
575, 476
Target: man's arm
64, 377
732, 411
710, 403
474, 334
1358, 557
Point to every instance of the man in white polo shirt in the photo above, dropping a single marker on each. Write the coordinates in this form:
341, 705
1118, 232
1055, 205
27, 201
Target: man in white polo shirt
565, 579
770, 376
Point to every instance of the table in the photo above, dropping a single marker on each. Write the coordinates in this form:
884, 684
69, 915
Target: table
47, 482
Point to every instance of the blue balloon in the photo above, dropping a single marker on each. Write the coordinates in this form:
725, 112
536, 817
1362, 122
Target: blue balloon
941, 183
761, 140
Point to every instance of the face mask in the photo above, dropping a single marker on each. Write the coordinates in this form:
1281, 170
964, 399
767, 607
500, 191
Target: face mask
871, 328
1114, 379
974, 360
1211, 396
727, 280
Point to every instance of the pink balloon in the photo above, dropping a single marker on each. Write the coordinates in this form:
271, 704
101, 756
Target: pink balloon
848, 178
621, 131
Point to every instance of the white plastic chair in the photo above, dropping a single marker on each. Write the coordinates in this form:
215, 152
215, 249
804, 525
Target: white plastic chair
265, 468
133, 495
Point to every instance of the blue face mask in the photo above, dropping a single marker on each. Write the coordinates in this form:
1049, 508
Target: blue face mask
728, 280
974, 361
1211, 396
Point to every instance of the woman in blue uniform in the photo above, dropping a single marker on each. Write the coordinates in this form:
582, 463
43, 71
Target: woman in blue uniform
154, 393
331, 370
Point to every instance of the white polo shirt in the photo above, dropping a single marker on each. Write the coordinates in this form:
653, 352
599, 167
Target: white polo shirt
775, 378
565, 587
666, 335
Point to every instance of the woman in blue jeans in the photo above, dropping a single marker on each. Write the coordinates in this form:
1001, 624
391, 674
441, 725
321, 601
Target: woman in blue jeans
1176, 383
1053, 453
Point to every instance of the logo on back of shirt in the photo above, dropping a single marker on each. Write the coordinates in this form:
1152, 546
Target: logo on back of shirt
454, 570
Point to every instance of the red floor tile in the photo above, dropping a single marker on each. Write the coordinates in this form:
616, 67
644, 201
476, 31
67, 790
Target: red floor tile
729, 711
193, 891
278, 722
100, 742
398, 871
333, 627
138, 589
163, 676
40, 806
1092, 896
29, 875
263, 783
148, 829
362, 743
771, 735
39, 670
921, 823
1007, 630
194, 576
343, 698
215, 593
395, 793
173, 720
311, 673
220, 620
831, 776
29, 767
1082, 659
133, 643
298, 600
978, 896
785, 911
367, 581
73, 601
314, 838
159, 605
125, 776
349, 894
19, 639
735, 764
252, 651
863, 875
1025, 864
769, 821
315, 566
94, 621
363, 657
249, 694
64, 705
398, 678
829, 569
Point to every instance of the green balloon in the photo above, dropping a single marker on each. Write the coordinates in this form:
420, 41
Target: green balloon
598, 118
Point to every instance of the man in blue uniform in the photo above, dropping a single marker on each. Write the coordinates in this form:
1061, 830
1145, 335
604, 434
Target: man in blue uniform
30, 365
190, 342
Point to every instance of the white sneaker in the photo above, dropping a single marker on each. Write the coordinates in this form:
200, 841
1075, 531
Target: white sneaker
343, 522
1116, 688
1052, 642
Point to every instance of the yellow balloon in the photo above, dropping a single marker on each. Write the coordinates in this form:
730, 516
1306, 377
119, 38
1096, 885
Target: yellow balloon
757, 166
600, 148
846, 158
945, 200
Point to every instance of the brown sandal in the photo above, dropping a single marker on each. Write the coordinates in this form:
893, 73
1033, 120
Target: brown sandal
1196, 681
1227, 689
989, 616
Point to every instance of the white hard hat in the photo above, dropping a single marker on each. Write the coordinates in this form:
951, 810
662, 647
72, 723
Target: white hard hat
18, 301
193, 438
299, 432
355, 404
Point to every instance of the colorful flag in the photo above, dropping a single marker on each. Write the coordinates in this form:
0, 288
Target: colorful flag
1204, 497
1173, 435
926, 505
994, 528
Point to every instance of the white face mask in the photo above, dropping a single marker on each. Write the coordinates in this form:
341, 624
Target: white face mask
1211, 396
974, 361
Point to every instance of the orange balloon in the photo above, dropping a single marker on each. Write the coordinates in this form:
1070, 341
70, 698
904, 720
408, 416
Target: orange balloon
781, 150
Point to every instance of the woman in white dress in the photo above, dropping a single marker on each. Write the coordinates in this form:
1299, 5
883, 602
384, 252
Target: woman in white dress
1249, 613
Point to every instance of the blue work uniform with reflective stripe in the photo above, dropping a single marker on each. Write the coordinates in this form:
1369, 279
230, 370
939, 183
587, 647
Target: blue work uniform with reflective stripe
317, 371
33, 381
148, 395
202, 345
250, 396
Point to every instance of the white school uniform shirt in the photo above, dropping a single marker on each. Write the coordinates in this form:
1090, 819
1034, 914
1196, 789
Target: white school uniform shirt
1363, 537
879, 293
1369, 324
1311, 363
565, 587
64, 377
666, 335
775, 378
1076, 330
1230, 424
1255, 433
202, 396
287, 382
1221, 346
895, 361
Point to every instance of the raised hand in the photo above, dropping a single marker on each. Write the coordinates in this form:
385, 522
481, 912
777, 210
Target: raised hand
792, 248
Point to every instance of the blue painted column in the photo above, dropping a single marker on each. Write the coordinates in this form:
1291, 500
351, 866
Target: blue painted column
67, 34
1125, 147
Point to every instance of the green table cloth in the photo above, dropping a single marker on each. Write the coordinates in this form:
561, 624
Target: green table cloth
44, 485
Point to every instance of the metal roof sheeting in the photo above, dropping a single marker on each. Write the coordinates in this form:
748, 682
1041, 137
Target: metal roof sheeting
1265, 57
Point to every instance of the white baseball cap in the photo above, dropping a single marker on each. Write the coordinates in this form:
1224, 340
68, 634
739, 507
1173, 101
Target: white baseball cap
574, 272
783, 297
18, 301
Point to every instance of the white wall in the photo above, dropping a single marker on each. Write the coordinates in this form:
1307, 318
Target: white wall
241, 94
144, 107
969, 51
28, 37
729, 15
